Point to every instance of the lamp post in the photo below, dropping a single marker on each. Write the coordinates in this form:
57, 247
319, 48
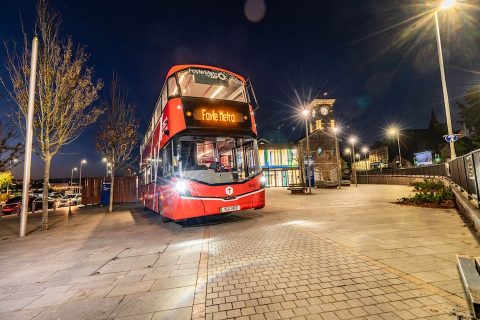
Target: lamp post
337, 154
349, 152
352, 141
365, 150
71, 178
445, 5
395, 132
80, 177
305, 113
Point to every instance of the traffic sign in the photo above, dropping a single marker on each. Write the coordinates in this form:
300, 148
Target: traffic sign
451, 137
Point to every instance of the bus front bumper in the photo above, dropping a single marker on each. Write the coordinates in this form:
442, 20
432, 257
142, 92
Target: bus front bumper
194, 207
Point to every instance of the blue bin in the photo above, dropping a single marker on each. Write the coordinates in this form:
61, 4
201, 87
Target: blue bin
105, 194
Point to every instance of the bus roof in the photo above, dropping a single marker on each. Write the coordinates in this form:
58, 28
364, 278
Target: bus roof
181, 67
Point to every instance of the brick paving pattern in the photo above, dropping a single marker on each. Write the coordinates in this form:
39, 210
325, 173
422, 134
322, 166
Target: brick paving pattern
283, 272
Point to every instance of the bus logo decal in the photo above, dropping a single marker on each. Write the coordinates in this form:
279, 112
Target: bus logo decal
229, 190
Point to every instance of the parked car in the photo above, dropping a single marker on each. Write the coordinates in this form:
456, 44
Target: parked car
56, 195
14, 205
75, 199
38, 202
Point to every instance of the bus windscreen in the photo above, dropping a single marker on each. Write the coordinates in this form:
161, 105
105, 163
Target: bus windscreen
217, 160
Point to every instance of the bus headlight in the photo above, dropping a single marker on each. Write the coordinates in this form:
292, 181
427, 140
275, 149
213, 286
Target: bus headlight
263, 180
181, 188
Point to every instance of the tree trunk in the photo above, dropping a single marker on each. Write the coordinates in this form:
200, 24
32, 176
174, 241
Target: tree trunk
46, 178
112, 178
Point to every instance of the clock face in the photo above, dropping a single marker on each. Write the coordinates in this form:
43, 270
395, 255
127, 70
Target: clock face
324, 110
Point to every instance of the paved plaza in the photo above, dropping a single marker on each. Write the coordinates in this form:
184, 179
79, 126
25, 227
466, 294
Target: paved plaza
336, 254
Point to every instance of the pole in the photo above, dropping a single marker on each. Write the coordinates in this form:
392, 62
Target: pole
339, 166
80, 176
308, 157
354, 169
366, 167
453, 155
399, 152
29, 137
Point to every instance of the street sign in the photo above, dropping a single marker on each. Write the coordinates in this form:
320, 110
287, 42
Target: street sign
451, 137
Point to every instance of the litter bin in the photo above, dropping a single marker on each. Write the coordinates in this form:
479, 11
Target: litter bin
105, 194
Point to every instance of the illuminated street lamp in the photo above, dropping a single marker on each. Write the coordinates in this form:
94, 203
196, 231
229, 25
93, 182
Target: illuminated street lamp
445, 5
80, 177
12, 161
305, 114
107, 164
395, 132
352, 141
71, 178
337, 155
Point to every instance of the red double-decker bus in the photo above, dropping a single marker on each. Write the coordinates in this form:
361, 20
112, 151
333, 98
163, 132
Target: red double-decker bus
200, 155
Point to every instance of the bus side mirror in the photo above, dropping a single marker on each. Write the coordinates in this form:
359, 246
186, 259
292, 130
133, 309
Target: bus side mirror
166, 132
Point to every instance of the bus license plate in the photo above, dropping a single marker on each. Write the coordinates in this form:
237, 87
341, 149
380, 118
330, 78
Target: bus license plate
229, 209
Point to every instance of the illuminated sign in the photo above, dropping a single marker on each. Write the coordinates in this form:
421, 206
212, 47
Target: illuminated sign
225, 115
211, 77
423, 158
217, 115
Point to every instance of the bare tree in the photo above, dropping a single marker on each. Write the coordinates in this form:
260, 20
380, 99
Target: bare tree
10, 148
117, 135
65, 91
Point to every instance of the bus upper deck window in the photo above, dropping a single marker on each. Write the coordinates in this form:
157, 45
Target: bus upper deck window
172, 87
211, 84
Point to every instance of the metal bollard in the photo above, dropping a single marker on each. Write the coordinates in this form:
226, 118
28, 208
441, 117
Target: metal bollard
69, 207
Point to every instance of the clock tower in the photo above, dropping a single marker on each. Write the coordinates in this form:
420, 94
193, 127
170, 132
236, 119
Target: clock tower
322, 114
324, 156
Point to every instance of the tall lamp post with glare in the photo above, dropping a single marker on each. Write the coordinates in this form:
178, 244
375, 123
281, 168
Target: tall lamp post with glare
337, 154
80, 177
445, 5
71, 178
352, 141
394, 132
305, 114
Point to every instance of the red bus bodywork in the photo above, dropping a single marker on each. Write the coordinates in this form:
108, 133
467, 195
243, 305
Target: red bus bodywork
199, 198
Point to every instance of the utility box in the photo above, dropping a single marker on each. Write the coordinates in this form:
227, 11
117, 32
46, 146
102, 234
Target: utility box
105, 194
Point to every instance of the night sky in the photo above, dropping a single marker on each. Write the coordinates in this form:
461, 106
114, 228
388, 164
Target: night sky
378, 58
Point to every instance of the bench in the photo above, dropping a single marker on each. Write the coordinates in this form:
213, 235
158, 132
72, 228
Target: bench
326, 184
296, 188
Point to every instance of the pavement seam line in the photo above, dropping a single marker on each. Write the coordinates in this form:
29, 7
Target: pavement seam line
425, 285
198, 307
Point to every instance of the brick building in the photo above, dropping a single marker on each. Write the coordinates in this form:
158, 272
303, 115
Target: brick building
324, 158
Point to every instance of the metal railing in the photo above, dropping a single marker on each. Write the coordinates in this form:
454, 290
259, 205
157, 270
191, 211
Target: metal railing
464, 171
